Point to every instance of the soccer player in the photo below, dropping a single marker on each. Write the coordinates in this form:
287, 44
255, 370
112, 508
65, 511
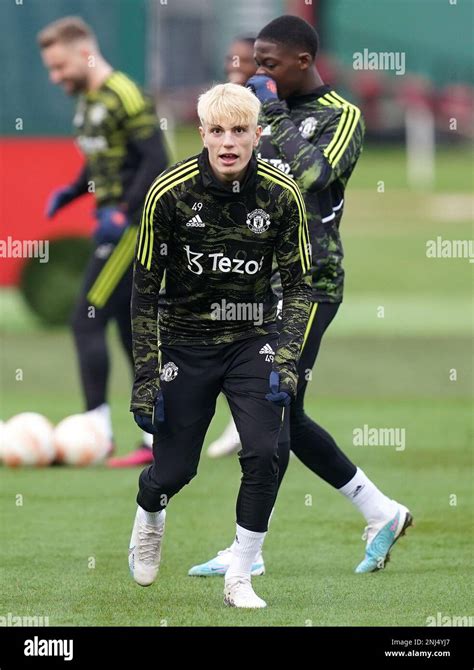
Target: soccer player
212, 225
118, 132
239, 67
239, 60
314, 135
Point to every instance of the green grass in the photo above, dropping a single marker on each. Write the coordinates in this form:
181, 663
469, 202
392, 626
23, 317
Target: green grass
64, 551
387, 164
70, 518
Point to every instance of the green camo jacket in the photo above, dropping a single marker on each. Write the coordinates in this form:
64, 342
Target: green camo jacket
214, 246
316, 139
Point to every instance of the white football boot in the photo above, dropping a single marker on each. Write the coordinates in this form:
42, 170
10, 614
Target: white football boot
238, 592
144, 553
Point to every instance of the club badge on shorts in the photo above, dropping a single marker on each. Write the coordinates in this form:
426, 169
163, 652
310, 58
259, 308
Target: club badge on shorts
169, 372
258, 221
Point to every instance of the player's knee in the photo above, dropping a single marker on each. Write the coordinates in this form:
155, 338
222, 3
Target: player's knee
261, 462
84, 321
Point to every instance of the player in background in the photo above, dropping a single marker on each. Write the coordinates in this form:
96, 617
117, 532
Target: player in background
314, 135
212, 226
118, 132
239, 60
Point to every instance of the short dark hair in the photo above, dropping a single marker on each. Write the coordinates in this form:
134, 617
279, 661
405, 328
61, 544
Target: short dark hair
245, 38
67, 29
291, 31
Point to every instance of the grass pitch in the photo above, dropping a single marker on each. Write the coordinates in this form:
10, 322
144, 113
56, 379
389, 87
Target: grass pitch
64, 549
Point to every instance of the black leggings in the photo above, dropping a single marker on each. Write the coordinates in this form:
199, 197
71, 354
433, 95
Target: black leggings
192, 378
309, 441
89, 325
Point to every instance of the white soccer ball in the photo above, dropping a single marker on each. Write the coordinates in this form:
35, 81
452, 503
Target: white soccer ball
27, 439
80, 439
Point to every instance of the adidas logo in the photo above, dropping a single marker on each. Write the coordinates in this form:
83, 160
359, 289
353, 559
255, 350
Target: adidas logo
196, 222
268, 351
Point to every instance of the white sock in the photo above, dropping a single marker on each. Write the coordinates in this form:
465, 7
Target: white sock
245, 549
372, 503
147, 440
152, 518
260, 550
103, 412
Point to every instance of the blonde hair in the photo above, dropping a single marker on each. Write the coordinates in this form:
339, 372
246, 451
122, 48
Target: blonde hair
228, 103
68, 29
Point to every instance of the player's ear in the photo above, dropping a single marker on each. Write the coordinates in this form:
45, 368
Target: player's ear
85, 53
202, 132
305, 60
258, 132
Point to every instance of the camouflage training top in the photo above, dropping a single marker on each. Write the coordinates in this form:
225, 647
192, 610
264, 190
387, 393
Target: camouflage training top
316, 139
117, 130
214, 245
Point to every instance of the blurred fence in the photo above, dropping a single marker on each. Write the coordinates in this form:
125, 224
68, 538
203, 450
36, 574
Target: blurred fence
177, 48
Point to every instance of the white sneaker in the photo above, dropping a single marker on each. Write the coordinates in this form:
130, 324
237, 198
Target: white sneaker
220, 564
238, 592
226, 444
144, 553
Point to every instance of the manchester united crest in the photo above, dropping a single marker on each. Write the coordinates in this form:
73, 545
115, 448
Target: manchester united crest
307, 127
258, 221
169, 372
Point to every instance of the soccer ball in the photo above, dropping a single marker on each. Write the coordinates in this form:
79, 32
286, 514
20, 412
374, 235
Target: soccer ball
80, 439
27, 439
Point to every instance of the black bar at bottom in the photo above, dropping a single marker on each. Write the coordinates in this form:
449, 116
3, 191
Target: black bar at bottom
139, 648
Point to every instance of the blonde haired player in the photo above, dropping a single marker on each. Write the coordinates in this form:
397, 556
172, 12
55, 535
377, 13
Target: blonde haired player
211, 227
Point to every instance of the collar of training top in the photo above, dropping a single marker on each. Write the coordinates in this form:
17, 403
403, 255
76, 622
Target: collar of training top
220, 189
296, 100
